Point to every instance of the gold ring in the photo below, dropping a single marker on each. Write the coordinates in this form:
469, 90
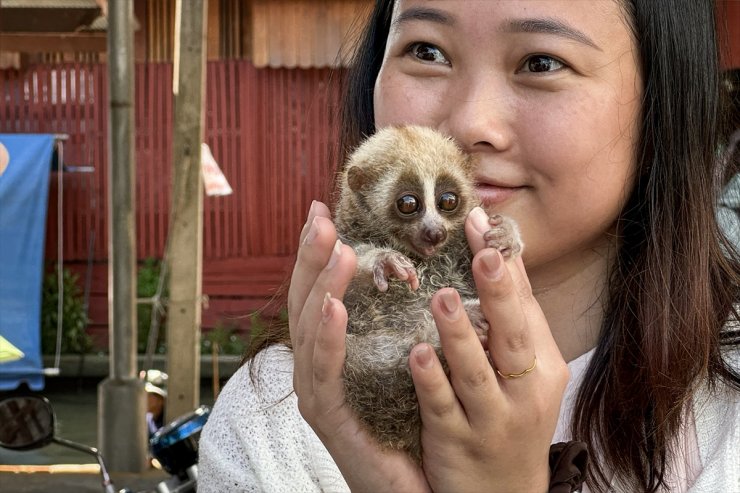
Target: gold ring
520, 374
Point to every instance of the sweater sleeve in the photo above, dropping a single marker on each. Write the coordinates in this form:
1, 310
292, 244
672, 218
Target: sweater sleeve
256, 440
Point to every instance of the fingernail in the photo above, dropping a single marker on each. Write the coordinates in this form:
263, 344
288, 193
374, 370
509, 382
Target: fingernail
480, 219
335, 254
450, 303
312, 210
313, 231
423, 356
327, 309
492, 265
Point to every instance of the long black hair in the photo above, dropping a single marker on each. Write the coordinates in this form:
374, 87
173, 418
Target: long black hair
675, 281
358, 120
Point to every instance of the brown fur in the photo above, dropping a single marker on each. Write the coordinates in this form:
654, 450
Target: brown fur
386, 317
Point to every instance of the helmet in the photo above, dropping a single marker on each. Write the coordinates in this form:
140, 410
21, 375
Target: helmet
155, 382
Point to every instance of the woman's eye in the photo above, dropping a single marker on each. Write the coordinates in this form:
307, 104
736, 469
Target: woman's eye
542, 63
447, 202
408, 204
428, 53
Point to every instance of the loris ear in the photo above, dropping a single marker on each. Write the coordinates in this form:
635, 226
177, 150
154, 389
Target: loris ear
357, 178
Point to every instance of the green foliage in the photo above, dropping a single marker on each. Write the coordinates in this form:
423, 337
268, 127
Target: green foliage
257, 325
147, 281
266, 331
74, 319
229, 339
226, 336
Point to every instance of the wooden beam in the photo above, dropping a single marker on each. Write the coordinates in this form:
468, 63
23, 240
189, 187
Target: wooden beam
213, 31
140, 12
46, 19
52, 42
186, 249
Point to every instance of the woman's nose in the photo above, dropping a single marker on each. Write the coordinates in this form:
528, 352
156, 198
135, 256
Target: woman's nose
479, 116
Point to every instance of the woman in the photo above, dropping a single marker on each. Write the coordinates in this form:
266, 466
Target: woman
594, 125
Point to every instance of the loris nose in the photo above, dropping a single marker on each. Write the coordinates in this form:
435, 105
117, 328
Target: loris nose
435, 236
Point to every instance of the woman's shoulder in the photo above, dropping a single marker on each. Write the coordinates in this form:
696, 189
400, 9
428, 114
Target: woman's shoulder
716, 410
259, 392
256, 439
261, 385
254, 433
269, 374
719, 399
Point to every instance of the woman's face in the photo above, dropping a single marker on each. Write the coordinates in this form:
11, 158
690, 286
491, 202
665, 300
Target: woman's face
546, 96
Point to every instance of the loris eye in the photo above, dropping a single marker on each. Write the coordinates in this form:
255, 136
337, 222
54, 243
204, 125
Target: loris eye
448, 202
408, 204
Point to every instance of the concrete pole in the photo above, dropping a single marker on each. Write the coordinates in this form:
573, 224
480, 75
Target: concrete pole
122, 432
186, 241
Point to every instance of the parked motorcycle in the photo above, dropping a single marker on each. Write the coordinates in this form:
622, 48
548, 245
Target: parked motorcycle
28, 423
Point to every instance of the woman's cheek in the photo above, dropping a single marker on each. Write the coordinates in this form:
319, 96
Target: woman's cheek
400, 99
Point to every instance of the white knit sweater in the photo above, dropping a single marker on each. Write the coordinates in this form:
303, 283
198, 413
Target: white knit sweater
255, 439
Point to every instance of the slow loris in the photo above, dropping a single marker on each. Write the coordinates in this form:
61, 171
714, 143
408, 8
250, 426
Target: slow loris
404, 196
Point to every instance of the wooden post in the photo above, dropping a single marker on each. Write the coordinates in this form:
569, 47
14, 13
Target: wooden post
122, 434
186, 241
212, 44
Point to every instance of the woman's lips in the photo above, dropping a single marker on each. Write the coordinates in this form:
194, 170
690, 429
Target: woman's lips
495, 194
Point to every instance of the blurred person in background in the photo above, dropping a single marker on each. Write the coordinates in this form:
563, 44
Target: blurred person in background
155, 384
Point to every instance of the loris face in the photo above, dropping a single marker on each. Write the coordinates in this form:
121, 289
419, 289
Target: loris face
423, 210
413, 184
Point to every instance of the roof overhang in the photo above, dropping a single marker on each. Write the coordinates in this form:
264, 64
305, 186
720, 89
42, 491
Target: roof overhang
47, 16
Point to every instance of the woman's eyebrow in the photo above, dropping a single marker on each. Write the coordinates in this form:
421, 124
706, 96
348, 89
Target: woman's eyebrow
422, 14
549, 26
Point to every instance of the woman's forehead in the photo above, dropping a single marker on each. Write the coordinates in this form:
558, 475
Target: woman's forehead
579, 19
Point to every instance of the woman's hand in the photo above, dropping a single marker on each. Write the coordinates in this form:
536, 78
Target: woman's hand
481, 430
318, 324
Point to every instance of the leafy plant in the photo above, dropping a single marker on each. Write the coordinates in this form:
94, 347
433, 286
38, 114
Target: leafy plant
226, 336
147, 281
266, 331
74, 319
257, 325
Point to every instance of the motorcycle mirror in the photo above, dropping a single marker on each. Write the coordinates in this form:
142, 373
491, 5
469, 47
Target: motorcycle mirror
26, 423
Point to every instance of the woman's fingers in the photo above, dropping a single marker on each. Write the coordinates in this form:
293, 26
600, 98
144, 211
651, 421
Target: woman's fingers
529, 315
540, 329
333, 279
510, 341
438, 404
476, 225
328, 355
471, 375
317, 239
473, 424
323, 265
317, 209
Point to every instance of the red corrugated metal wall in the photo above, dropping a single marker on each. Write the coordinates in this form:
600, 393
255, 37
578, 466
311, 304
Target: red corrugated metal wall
271, 131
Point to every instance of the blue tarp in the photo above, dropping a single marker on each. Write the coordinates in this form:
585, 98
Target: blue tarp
24, 193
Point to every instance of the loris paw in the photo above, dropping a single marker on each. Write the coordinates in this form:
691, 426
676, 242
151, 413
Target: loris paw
503, 236
394, 265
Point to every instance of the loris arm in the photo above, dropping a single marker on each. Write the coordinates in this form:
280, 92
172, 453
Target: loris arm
378, 265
